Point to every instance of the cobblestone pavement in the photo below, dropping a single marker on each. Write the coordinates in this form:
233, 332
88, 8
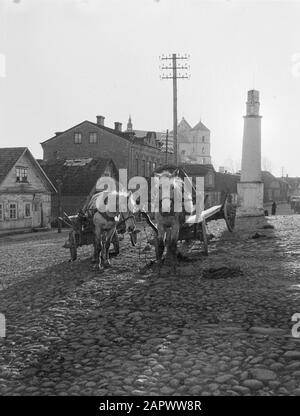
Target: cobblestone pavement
129, 331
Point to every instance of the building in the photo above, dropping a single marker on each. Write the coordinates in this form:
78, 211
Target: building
226, 184
76, 180
147, 151
136, 150
275, 189
294, 185
25, 191
208, 172
193, 143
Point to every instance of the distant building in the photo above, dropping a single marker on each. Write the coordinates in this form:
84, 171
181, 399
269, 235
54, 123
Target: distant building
275, 189
294, 185
193, 143
137, 150
77, 179
214, 189
25, 191
147, 151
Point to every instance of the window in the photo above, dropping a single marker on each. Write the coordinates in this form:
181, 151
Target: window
203, 139
21, 174
203, 150
93, 138
153, 166
27, 212
1, 212
12, 211
77, 138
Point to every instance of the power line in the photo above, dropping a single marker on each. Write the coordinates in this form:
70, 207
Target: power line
175, 71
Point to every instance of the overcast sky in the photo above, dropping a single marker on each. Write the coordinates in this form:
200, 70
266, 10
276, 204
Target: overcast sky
64, 61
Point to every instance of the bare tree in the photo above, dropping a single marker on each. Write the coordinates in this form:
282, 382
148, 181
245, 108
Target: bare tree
266, 164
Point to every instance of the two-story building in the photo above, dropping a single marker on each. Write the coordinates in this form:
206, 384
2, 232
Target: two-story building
136, 150
25, 191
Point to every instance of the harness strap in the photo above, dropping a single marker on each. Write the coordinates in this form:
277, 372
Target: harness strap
107, 217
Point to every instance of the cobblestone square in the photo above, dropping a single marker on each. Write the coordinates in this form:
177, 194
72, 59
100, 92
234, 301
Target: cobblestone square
128, 331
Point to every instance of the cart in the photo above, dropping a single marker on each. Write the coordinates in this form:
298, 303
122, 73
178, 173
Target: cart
195, 228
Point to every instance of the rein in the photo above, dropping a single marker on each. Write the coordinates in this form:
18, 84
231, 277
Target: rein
125, 219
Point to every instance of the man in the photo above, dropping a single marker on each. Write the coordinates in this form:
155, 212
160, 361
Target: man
274, 206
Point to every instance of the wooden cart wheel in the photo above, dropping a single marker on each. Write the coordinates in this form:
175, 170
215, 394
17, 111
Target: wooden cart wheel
229, 215
204, 236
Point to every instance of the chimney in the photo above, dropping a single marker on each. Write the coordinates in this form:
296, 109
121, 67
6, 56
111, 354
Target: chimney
221, 169
57, 133
118, 126
100, 120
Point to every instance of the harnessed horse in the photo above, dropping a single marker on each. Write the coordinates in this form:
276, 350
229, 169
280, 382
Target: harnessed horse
106, 222
168, 219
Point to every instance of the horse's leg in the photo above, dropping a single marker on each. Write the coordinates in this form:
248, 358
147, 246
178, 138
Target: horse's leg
96, 252
160, 246
98, 246
116, 243
109, 236
102, 256
172, 239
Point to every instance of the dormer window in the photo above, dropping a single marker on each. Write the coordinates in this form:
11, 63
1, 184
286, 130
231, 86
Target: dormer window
77, 138
21, 174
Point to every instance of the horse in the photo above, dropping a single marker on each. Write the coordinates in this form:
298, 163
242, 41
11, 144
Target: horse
106, 223
167, 217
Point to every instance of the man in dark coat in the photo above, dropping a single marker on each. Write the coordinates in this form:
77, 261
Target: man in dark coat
274, 206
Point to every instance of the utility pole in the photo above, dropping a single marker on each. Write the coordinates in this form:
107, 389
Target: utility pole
170, 72
167, 142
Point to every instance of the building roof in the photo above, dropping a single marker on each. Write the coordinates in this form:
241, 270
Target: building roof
141, 133
226, 182
124, 135
293, 182
184, 123
78, 176
200, 126
9, 156
193, 169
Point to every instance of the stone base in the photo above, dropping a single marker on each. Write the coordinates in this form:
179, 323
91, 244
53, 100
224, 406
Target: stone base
251, 198
250, 225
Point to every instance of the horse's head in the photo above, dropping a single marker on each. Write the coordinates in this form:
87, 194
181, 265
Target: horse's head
168, 191
127, 218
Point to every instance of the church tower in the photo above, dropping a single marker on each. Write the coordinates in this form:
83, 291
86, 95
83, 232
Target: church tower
250, 188
129, 124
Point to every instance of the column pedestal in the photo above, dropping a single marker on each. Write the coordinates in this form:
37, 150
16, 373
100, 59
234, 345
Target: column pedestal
251, 198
